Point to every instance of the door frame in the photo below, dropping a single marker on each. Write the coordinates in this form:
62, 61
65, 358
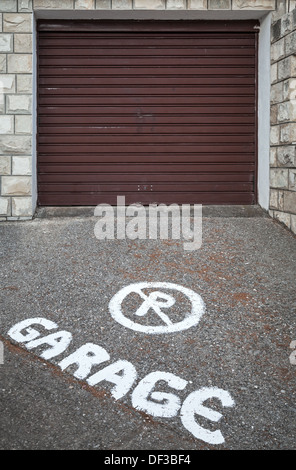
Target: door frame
263, 75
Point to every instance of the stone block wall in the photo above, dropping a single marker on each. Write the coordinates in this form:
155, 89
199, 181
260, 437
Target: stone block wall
17, 199
283, 120
16, 109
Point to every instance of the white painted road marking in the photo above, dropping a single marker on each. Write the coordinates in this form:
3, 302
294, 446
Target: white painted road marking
123, 375
152, 301
162, 404
157, 300
194, 404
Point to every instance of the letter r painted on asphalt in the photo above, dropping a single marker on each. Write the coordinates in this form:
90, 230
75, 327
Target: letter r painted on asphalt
157, 301
152, 301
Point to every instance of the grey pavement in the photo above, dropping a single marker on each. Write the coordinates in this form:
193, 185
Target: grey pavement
229, 379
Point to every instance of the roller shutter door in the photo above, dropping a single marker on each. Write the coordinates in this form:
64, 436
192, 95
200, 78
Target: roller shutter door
159, 112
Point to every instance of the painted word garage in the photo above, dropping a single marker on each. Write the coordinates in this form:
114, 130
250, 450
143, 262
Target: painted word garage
123, 375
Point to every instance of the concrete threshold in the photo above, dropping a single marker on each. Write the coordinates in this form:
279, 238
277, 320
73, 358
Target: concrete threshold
207, 211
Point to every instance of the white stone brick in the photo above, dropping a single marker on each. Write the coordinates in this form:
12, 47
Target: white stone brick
283, 111
6, 42
84, 4
292, 181
9, 5
6, 125
287, 111
21, 206
16, 185
280, 10
293, 223
15, 145
149, 4
253, 4
273, 200
273, 73
279, 178
290, 202
274, 135
176, 4
276, 30
22, 165
2, 104
2, 63
281, 200
289, 92
7, 83
286, 24
5, 165
273, 114
24, 5
0, 22
273, 156
19, 63
288, 133
292, 5
24, 83
23, 124
219, 5
103, 4
54, 4
276, 95
197, 4
5, 206
287, 67
122, 4
283, 218
290, 43
17, 22
19, 104
23, 43
277, 50
286, 156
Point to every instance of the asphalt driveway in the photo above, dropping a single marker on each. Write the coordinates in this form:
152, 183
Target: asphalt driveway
83, 368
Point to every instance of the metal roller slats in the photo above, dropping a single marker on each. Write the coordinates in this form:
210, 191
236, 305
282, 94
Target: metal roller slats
159, 112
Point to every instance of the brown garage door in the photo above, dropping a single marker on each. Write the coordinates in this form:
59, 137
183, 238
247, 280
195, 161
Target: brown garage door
156, 111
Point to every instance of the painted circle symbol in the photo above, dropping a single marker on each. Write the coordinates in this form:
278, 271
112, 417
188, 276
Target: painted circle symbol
158, 301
